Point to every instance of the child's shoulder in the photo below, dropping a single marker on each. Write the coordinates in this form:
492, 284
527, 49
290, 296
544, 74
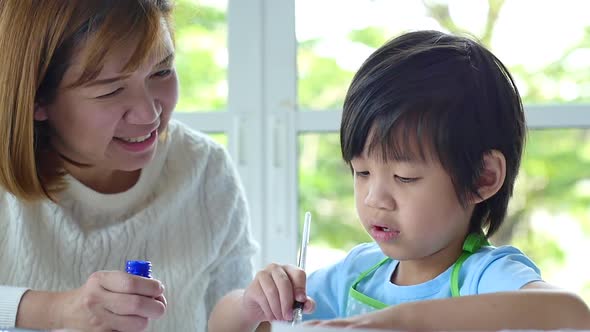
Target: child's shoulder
504, 268
487, 255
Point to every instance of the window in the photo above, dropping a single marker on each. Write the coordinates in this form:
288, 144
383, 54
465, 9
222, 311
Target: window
274, 85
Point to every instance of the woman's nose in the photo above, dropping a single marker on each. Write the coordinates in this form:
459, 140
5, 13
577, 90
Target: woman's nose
145, 110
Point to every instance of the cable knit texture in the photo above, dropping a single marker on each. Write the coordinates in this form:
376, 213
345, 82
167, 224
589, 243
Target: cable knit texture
187, 214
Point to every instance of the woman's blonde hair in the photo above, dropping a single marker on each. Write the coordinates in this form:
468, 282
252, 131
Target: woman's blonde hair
38, 40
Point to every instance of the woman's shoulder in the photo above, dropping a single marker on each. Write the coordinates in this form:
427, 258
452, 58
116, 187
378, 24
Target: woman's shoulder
13, 210
5, 203
195, 161
188, 148
9, 202
185, 140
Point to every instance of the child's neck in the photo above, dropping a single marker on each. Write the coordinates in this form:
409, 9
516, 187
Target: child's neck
413, 272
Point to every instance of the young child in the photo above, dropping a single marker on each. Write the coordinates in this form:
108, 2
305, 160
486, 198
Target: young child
433, 130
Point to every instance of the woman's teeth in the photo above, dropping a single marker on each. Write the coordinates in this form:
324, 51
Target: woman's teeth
135, 139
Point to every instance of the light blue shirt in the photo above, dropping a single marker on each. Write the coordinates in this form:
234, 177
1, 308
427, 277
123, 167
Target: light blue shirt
488, 270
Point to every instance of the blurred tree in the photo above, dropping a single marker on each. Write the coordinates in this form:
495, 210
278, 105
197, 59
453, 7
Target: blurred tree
201, 53
326, 191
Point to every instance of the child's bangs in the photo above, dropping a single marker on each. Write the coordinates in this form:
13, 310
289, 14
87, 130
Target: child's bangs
132, 23
404, 136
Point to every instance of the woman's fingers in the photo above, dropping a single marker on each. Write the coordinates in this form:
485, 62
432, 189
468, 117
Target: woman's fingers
134, 305
130, 323
121, 282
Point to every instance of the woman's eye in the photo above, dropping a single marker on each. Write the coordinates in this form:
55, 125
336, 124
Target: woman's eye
110, 94
362, 173
163, 73
405, 180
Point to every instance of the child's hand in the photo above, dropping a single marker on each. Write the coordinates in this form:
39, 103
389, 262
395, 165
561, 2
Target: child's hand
273, 292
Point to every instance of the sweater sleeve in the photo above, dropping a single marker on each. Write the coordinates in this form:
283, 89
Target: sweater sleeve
9, 300
228, 212
234, 270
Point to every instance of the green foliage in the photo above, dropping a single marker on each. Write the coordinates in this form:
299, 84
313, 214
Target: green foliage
540, 248
543, 85
200, 34
327, 192
556, 164
220, 138
585, 293
322, 83
189, 13
370, 36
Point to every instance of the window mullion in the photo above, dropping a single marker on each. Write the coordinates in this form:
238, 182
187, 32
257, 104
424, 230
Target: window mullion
280, 95
246, 137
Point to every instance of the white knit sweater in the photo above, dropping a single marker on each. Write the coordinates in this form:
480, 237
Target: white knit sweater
187, 214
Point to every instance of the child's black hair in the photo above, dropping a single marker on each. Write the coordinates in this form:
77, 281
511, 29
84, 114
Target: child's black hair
449, 95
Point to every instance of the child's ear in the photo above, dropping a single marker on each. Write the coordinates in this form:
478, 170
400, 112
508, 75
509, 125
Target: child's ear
492, 175
40, 113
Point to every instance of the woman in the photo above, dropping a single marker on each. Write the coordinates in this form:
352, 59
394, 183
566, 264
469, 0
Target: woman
92, 173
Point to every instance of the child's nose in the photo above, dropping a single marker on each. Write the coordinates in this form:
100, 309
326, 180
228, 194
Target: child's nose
380, 197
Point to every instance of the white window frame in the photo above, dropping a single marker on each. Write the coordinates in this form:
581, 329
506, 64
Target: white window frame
262, 122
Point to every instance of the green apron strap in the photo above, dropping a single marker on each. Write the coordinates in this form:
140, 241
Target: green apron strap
473, 242
362, 297
471, 245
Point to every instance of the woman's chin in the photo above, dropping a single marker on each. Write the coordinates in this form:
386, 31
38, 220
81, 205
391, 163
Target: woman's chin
135, 163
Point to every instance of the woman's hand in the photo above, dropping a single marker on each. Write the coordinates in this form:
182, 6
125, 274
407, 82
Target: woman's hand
273, 292
112, 301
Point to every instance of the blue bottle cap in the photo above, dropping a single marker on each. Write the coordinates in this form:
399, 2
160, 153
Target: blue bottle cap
140, 268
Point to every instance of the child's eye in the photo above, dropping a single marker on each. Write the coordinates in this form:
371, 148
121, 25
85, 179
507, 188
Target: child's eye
362, 173
162, 73
110, 94
405, 180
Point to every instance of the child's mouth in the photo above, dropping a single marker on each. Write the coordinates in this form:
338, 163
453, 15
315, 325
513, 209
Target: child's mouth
383, 233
